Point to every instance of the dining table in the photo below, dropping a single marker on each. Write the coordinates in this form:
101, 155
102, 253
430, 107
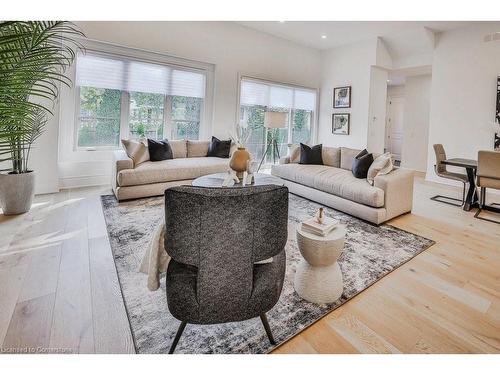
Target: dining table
470, 165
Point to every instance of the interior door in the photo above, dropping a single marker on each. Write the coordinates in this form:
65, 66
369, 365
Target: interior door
394, 133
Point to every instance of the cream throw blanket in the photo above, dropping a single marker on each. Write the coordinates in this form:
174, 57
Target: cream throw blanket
155, 260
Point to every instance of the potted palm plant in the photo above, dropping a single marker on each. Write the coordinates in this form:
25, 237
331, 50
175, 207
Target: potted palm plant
34, 57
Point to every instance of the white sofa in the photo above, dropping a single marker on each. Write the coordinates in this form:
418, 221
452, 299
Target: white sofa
334, 185
150, 178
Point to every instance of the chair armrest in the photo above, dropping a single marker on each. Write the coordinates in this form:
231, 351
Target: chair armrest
285, 160
398, 191
120, 162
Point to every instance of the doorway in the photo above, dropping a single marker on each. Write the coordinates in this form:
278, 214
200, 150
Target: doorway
394, 129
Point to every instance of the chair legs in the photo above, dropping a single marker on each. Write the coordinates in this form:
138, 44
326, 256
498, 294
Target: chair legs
483, 206
439, 198
180, 330
265, 323
177, 337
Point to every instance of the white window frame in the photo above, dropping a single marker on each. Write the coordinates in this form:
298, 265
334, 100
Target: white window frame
315, 114
114, 51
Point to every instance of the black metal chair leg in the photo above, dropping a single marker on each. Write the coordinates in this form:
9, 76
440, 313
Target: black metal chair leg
265, 323
483, 206
177, 337
439, 198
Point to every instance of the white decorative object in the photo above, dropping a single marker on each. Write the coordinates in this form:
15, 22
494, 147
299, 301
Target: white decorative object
320, 215
231, 178
318, 277
252, 166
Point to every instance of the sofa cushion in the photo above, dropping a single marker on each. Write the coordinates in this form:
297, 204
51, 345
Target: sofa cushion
332, 180
171, 170
196, 149
347, 156
331, 156
179, 148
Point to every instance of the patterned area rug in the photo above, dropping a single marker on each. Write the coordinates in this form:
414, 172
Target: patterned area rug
370, 253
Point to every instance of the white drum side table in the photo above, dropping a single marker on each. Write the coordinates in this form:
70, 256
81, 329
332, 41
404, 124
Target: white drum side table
318, 277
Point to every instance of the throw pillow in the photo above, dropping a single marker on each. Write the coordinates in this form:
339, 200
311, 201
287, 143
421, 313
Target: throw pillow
311, 155
159, 150
137, 151
179, 148
294, 152
218, 148
381, 165
361, 163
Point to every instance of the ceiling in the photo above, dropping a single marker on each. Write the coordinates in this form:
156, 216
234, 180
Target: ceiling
309, 33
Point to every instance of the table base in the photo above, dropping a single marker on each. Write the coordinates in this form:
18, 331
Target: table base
318, 284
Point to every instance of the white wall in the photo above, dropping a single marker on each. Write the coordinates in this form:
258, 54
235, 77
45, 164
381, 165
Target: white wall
348, 65
377, 110
463, 92
416, 123
232, 48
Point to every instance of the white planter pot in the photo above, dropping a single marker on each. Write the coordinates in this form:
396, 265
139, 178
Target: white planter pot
16, 192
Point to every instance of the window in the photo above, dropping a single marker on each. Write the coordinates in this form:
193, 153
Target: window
257, 97
120, 98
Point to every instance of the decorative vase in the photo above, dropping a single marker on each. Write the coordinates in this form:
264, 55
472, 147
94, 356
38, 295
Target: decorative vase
16, 192
239, 161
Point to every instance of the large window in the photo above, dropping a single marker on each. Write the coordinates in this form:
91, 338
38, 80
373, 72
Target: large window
120, 98
257, 97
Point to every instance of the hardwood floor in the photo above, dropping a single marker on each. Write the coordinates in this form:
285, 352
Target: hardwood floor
59, 287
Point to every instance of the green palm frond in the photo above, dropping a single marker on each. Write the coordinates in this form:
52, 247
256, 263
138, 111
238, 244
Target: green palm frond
34, 57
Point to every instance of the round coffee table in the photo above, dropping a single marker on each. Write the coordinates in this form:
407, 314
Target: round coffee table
216, 180
318, 278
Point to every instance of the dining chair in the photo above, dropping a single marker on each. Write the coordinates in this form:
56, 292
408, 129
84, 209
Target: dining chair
441, 171
488, 177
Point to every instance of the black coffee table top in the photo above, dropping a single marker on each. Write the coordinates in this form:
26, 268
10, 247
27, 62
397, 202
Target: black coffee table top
216, 180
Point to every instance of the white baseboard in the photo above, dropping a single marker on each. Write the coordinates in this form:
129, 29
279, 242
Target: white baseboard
84, 181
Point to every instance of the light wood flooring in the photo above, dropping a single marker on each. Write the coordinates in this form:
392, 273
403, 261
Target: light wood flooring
59, 289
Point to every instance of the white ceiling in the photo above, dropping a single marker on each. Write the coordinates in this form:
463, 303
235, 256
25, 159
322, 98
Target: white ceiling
308, 33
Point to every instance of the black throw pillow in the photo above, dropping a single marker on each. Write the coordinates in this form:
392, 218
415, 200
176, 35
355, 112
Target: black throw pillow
159, 150
311, 155
361, 163
218, 148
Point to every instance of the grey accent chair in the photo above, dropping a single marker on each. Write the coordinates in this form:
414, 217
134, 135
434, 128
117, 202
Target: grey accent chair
488, 177
216, 237
441, 171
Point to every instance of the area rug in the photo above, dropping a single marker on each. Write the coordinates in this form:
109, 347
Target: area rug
370, 253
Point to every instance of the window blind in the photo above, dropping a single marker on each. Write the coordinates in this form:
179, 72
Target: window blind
129, 75
269, 95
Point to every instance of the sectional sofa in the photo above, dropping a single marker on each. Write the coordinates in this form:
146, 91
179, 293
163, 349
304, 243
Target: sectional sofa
334, 185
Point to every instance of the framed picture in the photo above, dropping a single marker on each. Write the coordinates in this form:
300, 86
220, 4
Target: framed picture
341, 123
342, 97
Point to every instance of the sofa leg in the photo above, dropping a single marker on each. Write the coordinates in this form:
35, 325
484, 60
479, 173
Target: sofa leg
265, 323
177, 337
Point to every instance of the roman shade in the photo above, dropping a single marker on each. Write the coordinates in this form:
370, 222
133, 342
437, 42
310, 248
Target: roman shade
136, 76
276, 96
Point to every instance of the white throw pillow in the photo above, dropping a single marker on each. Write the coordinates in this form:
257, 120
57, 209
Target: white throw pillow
381, 165
137, 151
294, 152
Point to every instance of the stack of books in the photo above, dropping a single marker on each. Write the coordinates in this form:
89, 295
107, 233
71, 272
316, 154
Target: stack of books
313, 226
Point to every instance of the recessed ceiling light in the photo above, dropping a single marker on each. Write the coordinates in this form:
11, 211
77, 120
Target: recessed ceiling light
281, 21
323, 36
